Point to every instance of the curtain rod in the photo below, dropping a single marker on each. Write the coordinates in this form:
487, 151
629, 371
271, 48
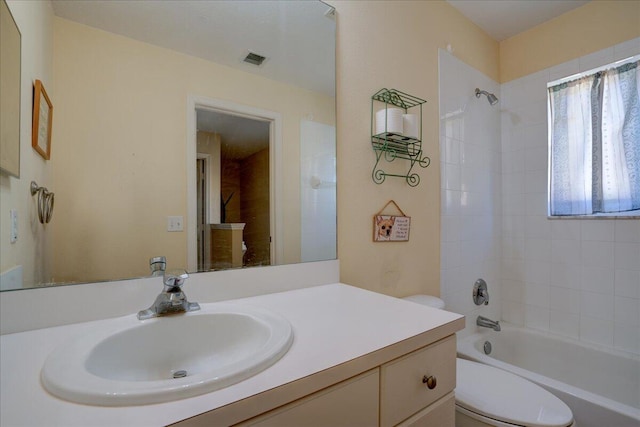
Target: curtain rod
577, 76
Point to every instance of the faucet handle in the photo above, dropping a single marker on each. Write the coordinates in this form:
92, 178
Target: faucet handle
480, 292
175, 278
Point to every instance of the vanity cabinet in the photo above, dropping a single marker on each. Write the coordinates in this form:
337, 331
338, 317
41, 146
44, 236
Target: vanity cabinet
358, 358
413, 390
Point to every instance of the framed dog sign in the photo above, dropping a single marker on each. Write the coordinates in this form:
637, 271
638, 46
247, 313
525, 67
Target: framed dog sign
391, 228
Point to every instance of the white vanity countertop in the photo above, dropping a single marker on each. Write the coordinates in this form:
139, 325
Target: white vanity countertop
332, 324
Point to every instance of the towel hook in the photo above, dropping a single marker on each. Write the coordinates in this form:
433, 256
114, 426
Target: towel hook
45, 202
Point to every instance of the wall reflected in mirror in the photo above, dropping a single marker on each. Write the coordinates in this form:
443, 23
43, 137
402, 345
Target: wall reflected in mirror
135, 177
10, 58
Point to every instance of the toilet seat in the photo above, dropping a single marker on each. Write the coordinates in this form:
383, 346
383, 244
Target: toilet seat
463, 416
507, 398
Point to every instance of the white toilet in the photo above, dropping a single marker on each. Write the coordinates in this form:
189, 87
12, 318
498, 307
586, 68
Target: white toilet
488, 396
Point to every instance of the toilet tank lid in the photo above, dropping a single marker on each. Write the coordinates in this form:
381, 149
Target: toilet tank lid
429, 300
506, 397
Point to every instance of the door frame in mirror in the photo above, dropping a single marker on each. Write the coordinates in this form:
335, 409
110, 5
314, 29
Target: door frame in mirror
276, 218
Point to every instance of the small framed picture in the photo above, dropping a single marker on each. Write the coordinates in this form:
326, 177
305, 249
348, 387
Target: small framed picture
42, 120
391, 228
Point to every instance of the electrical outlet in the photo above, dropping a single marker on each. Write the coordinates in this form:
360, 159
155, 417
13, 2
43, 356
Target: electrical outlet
175, 223
14, 225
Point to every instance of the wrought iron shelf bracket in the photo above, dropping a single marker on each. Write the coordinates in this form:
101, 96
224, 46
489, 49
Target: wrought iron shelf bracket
394, 145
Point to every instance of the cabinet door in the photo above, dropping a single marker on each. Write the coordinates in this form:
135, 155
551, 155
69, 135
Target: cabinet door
440, 414
350, 403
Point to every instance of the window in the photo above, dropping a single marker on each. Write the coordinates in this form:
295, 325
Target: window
594, 142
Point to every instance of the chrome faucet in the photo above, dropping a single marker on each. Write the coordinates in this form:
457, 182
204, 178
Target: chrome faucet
158, 265
171, 300
488, 323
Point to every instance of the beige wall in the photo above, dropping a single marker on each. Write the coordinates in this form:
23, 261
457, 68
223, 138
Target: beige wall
394, 44
120, 131
35, 21
587, 29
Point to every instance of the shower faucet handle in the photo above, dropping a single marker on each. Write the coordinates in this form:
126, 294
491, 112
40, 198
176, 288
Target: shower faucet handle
480, 292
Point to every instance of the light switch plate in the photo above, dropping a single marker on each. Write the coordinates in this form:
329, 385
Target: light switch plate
175, 223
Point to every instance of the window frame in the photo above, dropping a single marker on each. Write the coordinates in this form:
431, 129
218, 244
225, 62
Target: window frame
633, 214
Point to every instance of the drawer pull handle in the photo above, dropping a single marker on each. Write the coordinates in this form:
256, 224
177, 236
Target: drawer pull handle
430, 381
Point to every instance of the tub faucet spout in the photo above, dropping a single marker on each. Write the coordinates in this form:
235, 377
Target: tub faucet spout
488, 323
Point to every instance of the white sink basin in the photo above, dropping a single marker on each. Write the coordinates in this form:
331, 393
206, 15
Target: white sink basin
131, 362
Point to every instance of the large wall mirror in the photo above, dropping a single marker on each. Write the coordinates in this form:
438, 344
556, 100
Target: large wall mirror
198, 131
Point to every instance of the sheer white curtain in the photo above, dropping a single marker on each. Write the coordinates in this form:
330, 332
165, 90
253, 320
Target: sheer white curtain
616, 184
595, 143
572, 147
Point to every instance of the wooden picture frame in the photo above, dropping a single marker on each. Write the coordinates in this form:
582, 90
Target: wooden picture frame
42, 121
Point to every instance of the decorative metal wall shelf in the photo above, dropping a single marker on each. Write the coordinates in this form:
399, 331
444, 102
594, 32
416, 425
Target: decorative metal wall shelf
394, 145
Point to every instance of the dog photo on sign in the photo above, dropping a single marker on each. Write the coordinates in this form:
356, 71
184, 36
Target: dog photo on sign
384, 227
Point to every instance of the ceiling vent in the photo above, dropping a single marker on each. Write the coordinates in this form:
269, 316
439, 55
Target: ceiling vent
254, 58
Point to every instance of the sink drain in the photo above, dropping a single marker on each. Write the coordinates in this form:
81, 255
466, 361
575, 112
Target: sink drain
180, 374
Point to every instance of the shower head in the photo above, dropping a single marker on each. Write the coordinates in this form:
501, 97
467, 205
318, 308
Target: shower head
493, 100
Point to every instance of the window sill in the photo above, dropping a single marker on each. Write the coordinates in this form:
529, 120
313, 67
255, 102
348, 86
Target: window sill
635, 214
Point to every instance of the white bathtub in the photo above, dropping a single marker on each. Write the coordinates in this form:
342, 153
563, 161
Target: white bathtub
601, 387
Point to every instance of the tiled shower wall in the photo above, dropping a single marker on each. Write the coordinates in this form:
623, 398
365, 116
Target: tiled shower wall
470, 188
577, 278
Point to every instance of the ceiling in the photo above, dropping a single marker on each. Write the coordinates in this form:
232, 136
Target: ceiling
502, 19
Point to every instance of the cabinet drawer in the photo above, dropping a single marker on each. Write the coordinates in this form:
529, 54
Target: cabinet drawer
351, 403
402, 391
